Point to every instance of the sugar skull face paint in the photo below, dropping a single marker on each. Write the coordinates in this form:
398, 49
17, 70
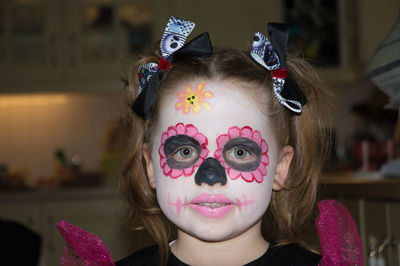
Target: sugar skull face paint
211, 206
193, 99
233, 135
243, 153
182, 149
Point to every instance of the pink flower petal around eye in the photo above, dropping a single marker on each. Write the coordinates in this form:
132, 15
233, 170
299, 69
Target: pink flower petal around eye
247, 132
264, 146
233, 174
188, 171
163, 161
180, 129
265, 159
166, 170
201, 138
161, 150
198, 162
164, 137
258, 175
221, 140
218, 154
234, 132
247, 176
204, 153
191, 130
263, 169
176, 173
171, 132
257, 137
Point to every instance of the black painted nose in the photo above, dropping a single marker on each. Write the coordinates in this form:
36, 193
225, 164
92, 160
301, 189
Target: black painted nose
210, 172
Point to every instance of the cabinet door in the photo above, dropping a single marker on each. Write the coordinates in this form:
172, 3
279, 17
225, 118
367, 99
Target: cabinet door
29, 44
101, 37
27, 214
394, 229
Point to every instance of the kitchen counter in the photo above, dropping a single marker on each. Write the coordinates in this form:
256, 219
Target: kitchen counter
359, 185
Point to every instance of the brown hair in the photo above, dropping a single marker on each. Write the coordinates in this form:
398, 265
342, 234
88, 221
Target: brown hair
289, 207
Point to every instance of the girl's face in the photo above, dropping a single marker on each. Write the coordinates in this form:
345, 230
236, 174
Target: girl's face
214, 159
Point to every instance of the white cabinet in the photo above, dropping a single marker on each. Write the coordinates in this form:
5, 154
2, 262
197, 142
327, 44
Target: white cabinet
27, 214
379, 226
48, 45
96, 212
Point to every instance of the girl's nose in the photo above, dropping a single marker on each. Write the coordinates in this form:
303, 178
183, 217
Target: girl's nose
210, 172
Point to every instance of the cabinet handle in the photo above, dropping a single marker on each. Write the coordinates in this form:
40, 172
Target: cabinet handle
72, 50
53, 50
377, 247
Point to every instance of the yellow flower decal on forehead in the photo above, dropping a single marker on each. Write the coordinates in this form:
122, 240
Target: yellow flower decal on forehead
193, 99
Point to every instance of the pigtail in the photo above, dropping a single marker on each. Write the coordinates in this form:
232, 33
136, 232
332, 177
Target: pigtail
133, 181
308, 134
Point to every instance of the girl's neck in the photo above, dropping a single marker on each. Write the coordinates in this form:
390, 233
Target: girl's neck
239, 250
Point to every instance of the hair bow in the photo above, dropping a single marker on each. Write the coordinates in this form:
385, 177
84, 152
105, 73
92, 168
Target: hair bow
272, 56
173, 48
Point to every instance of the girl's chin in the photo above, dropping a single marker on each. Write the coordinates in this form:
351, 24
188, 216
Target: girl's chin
212, 232
213, 236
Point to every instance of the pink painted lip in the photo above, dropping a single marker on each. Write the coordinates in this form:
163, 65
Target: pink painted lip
212, 211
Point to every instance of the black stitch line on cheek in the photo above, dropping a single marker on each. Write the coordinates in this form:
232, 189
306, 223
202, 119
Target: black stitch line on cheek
249, 145
175, 142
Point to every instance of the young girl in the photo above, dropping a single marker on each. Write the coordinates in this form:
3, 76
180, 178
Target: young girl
217, 138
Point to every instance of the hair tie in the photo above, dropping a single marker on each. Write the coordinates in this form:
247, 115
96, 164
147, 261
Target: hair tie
272, 56
173, 48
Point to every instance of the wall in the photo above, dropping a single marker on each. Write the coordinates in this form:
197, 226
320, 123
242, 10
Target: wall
33, 126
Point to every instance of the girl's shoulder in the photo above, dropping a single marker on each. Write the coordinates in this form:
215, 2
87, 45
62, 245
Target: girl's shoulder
287, 255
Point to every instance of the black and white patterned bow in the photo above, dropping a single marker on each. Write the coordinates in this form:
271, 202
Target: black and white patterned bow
173, 48
272, 56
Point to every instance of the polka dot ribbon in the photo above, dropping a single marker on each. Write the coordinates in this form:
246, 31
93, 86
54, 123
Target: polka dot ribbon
272, 56
173, 38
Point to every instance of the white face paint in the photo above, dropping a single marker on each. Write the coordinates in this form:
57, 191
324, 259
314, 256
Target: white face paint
225, 209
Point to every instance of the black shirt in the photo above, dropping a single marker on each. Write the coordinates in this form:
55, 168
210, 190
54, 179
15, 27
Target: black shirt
275, 255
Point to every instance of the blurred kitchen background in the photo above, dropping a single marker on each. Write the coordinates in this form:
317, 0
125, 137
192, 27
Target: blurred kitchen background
61, 95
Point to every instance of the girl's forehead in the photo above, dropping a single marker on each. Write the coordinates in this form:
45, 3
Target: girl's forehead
212, 106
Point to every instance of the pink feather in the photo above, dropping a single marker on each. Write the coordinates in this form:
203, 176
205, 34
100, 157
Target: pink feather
339, 238
83, 248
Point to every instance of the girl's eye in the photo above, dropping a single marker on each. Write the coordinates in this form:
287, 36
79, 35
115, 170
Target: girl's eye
240, 153
185, 154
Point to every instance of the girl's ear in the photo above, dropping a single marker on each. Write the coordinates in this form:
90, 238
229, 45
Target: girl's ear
149, 165
282, 168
